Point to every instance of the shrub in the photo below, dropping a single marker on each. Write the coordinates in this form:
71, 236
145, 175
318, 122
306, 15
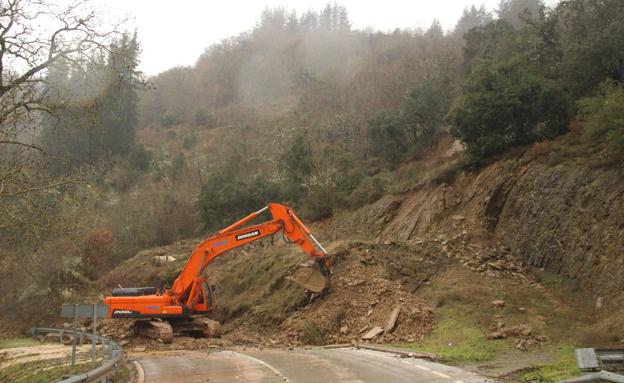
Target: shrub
177, 166
386, 137
189, 141
368, 191
140, 158
203, 118
603, 116
312, 333
505, 105
169, 119
318, 203
228, 194
98, 250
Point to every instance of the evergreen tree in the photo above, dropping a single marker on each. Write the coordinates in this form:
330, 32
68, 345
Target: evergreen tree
96, 105
516, 12
471, 17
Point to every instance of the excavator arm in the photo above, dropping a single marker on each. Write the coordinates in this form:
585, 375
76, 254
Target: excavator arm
189, 281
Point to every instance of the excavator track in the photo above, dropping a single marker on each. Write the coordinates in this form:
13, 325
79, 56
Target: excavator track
154, 329
197, 328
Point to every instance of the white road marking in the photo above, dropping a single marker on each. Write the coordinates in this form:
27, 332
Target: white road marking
275, 370
458, 381
140, 372
441, 375
422, 367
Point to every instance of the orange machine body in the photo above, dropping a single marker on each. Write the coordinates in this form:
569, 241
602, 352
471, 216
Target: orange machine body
191, 293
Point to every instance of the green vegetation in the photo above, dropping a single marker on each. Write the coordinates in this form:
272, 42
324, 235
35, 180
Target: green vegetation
95, 105
312, 333
603, 117
123, 372
564, 368
229, 194
17, 342
269, 304
457, 338
39, 372
503, 106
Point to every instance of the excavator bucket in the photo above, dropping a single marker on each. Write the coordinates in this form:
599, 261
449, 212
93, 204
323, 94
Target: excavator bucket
311, 277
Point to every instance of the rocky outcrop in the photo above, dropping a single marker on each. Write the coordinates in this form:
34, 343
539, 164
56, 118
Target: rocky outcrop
566, 218
569, 219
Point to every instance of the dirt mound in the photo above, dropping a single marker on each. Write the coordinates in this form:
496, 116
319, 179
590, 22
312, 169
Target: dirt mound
362, 297
258, 305
371, 281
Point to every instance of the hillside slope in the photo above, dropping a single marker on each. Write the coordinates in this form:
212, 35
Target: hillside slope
535, 230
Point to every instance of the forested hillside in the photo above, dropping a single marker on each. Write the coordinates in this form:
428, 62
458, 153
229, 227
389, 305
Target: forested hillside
98, 162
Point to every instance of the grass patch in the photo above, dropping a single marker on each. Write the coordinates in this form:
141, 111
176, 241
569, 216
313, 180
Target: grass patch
256, 285
565, 367
17, 342
456, 339
312, 333
123, 373
39, 372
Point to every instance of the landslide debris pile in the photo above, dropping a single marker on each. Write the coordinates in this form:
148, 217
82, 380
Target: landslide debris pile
488, 257
524, 334
370, 300
372, 296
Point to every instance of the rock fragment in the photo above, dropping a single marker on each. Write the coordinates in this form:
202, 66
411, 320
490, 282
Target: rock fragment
392, 320
372, 333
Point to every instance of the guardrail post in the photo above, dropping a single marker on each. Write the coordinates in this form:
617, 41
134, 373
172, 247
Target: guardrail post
74, 327
62, 332
94, 336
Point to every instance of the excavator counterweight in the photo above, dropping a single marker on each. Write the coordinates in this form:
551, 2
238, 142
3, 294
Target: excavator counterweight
172, 312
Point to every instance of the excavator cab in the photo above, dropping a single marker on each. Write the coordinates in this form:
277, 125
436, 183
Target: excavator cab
206, 299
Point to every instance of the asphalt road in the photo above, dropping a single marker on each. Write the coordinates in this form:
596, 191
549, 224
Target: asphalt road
299, 365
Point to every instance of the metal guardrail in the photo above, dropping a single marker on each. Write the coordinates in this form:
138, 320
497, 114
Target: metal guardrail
597, 377
599, 365
114, 354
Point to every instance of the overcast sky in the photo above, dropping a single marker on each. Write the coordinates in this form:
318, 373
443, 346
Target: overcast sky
176, 32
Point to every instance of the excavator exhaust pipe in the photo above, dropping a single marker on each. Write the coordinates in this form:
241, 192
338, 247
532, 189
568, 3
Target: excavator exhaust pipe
314, 277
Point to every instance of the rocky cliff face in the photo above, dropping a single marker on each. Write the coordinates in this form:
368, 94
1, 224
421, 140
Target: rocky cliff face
566, 218
569, 219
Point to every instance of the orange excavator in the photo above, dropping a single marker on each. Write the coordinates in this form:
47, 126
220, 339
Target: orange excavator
178, 310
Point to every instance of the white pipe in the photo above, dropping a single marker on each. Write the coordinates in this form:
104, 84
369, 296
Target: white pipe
318, 244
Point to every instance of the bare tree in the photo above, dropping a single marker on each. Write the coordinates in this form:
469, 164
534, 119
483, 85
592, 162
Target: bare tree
34, 36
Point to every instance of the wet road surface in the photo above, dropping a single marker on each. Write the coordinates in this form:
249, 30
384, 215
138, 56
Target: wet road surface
310, 365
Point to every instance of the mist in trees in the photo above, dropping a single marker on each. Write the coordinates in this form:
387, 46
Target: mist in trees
495, 81
95, 104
